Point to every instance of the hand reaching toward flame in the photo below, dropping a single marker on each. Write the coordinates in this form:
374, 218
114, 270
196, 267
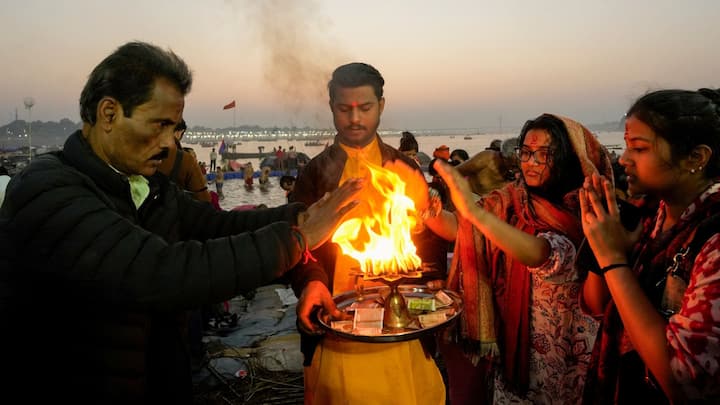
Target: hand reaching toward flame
460, 191
323, 217
416, 186
315, 295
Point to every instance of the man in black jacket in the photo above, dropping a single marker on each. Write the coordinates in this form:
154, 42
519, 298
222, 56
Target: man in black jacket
100, 256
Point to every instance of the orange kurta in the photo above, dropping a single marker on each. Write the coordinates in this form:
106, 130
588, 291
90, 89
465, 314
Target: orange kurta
349, 372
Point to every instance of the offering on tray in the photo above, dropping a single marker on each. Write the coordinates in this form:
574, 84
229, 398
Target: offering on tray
342, 326
444, 299
368, 321
428, 311
421, 304
432, 319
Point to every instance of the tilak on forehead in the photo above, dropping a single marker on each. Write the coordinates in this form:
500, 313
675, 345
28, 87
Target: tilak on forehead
538, 139
533, 138
354, 104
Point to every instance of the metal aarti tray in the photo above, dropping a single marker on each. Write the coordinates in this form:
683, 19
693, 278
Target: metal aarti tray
375, 296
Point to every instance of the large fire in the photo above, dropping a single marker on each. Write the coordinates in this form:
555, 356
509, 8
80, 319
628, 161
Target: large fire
378, 237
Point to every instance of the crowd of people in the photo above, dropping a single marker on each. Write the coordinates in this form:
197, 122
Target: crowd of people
585, 277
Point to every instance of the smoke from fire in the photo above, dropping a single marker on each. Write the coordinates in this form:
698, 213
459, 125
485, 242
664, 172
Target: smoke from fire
297, 53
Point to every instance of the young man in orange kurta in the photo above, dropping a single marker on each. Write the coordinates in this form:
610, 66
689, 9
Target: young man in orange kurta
340, 370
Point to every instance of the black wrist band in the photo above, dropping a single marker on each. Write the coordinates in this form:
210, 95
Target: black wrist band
612, 266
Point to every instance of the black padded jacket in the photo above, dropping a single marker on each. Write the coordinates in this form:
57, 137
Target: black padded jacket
93, 291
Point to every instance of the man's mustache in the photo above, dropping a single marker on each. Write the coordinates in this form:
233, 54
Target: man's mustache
162, 155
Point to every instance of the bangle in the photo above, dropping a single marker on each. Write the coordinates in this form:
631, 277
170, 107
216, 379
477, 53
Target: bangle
434, 205
612, 266
302, 241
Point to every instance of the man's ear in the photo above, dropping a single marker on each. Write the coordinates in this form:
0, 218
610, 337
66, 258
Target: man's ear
381, 105
108, 110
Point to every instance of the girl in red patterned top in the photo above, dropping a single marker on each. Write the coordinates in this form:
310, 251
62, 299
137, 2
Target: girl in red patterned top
660, 338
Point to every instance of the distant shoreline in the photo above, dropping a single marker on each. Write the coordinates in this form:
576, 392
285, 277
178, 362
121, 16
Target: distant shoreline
53, 133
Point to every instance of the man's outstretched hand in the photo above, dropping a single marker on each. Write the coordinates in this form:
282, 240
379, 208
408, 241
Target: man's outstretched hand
324, 216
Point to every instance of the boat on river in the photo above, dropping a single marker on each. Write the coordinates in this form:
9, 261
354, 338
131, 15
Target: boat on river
246, 155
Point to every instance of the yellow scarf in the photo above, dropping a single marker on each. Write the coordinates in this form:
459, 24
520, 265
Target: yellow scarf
349, 372
354, 167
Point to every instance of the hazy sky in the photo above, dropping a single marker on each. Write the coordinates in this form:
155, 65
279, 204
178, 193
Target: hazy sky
447, 64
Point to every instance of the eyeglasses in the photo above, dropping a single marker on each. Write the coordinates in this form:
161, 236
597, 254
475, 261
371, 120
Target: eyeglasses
541, 156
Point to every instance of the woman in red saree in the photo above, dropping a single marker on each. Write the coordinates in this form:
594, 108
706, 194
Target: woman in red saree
515, 265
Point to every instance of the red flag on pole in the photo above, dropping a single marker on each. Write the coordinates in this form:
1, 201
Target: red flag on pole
229, 105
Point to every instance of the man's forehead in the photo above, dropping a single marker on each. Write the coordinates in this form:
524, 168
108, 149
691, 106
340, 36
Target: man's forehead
355, 101
357, 95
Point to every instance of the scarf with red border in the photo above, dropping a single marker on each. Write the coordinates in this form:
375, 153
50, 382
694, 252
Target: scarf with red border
492, 283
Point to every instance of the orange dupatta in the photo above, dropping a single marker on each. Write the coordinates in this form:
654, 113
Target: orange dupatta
481, 271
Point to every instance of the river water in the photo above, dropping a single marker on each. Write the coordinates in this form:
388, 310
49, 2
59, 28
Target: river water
236, 194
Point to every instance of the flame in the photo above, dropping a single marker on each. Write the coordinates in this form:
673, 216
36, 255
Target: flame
378, 237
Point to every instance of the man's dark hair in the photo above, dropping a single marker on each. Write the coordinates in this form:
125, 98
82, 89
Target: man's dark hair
287, 179
181, 126
461, 153
129, 74
408, 142
3, 171
355, 75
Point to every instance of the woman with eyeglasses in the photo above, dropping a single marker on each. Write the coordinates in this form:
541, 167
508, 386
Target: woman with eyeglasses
515, 264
